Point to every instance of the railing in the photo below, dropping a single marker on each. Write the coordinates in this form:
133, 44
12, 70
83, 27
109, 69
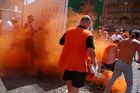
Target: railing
10, 10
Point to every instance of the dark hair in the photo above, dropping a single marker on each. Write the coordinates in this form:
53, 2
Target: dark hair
135, 34
116, 41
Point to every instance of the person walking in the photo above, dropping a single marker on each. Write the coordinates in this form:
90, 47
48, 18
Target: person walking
78, 45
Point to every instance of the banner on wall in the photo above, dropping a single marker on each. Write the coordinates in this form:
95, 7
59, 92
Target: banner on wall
45, 11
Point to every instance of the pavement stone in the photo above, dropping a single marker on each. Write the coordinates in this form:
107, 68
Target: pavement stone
136, 78
2, 87
28, 89
55, 84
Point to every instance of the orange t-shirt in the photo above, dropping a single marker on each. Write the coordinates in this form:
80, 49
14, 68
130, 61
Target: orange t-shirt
74, 53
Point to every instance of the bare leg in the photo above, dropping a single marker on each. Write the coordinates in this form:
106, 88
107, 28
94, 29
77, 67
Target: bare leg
71, 88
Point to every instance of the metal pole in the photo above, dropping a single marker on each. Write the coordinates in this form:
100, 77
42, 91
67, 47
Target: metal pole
65, 15
24, 3
1, 9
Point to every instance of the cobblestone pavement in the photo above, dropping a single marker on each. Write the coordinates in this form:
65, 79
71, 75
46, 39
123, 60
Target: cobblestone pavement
22, 84
136, 78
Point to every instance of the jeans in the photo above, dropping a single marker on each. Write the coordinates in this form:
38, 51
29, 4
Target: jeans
120, 67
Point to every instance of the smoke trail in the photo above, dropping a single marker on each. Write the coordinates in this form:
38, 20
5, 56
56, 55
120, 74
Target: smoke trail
20, 51
50, 48
99, 49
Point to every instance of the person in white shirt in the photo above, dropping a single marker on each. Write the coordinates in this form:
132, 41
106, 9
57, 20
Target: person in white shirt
116, 36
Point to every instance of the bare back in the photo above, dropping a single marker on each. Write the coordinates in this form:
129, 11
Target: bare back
127, 50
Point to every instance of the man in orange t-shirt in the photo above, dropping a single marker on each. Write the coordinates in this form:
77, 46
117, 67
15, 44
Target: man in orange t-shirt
78, 45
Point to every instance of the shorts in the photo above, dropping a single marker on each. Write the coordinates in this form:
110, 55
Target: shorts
77, 78
110, 66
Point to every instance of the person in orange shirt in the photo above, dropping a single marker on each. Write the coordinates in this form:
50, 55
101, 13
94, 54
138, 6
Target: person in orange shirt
78, 45
126, 50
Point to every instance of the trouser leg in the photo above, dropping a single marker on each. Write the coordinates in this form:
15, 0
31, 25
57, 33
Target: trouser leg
117, 72
128, 74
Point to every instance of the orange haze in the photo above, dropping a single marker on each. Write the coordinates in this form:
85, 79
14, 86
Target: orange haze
20, 53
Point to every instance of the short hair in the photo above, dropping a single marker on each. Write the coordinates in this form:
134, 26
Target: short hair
135, 33
85, 18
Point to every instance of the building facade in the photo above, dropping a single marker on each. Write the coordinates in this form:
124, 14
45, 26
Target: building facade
121, 14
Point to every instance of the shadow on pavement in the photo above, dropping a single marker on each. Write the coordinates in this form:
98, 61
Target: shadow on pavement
45, 82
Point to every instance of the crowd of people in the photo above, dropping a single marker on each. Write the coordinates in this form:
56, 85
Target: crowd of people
118, 34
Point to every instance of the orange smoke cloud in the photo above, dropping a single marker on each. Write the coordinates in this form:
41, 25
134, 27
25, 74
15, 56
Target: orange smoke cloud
39, 54
99, 49
11, 56
51, 47
19, 52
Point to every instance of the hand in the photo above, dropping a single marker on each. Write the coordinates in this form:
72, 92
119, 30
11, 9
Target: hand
95, 65
93, 69
95, 62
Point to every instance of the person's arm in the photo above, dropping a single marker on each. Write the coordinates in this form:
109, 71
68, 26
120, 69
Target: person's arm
62, 40
139, 57
92, 55
116, 50
90, 48
120, 37
138, 51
